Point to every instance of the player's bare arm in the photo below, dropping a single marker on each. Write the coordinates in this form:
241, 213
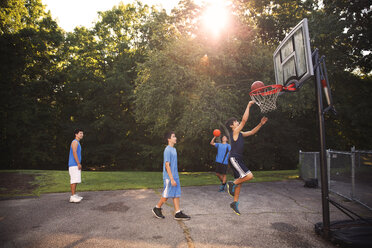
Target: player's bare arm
258, 127
244, 120
167, 167
212, 141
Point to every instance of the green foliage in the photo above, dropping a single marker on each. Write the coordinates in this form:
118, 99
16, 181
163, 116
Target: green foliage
172, 93
28, 43
354, 17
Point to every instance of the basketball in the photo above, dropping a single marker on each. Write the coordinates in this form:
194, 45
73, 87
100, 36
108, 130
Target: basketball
216, 132
256, 85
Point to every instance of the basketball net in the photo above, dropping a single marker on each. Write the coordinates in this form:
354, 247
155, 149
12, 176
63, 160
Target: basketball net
265, 97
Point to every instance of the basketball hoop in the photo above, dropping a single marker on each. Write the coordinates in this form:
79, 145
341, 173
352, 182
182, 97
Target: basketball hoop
265, 97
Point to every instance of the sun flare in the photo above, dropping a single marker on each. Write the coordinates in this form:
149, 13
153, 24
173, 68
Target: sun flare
215, 17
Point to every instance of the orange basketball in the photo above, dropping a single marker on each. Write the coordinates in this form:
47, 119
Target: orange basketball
216, 132
256, 85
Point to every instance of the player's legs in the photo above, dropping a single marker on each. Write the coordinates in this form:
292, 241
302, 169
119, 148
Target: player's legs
248, 177
221, 170
73, 188
161, 202
75, 178
179, 215
157, 210
239, 182
224, 177
176, 203
237, 192
241, 174
219, 176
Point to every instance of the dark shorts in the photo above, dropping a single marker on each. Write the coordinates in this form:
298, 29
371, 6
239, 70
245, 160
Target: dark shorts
221, 168
238, 167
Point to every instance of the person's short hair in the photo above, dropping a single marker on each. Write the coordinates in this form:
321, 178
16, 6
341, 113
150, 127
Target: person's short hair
168, 135
77, 130
230, 121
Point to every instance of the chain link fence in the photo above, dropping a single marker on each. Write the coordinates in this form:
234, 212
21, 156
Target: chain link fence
349, 173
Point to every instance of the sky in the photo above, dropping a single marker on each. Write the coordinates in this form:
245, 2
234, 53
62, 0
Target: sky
72, 13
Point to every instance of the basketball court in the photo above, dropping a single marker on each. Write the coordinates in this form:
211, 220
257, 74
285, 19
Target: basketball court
275, 214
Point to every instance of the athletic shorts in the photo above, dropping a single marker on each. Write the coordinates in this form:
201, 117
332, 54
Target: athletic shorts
171, 191
75, 174
221, 168
238, 167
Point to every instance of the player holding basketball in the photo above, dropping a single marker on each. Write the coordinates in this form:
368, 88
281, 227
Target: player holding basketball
222, 158
172, 186
241, 172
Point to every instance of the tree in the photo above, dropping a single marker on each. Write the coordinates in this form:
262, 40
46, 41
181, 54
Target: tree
355, 19
29, 40
171, 93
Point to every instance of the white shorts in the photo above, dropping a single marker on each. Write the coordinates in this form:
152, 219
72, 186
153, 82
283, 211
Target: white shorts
75, 174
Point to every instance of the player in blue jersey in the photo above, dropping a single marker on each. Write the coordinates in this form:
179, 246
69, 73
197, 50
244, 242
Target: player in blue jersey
222, 159
241, 172
171, 181
74, 165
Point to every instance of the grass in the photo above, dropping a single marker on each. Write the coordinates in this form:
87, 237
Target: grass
51, 181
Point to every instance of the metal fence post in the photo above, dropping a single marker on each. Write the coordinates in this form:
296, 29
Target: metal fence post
300, 164
353, 172
315, 166
329, 168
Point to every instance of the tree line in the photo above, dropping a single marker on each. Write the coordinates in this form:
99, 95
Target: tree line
140, 71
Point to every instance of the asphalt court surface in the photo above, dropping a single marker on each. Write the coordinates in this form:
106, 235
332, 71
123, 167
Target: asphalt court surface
274, 214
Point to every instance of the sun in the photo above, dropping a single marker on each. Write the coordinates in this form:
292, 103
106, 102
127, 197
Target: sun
215, 16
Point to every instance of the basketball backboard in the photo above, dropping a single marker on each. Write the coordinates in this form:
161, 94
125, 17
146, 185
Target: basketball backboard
292, 58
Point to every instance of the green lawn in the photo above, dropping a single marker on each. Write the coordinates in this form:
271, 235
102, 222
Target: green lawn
49, 181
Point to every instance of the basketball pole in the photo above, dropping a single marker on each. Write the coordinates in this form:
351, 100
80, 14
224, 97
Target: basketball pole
323, 159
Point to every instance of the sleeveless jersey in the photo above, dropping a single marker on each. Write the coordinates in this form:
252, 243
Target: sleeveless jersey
237, 147
71, 159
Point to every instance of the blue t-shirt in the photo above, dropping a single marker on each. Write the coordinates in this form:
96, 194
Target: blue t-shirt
71, 159
170, 155
221, 151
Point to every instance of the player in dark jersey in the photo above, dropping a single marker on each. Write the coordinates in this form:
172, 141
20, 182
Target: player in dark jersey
241, 172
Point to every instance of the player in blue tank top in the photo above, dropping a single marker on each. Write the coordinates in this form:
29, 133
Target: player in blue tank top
241, 172
74, 165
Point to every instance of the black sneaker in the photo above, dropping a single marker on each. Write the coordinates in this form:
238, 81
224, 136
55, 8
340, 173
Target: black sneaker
234, 206
181, 216
231, 188
157, 212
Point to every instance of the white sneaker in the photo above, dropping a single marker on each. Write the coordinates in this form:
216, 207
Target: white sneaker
78, 196
75, 199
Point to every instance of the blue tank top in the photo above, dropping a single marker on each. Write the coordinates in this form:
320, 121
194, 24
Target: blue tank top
237, 147
71, 159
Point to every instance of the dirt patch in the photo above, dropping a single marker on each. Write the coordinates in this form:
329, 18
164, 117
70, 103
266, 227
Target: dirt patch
17, 183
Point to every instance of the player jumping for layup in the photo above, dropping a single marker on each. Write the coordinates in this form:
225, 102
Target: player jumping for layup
241, 172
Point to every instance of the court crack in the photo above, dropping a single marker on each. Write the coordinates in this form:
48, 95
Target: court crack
185, 229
